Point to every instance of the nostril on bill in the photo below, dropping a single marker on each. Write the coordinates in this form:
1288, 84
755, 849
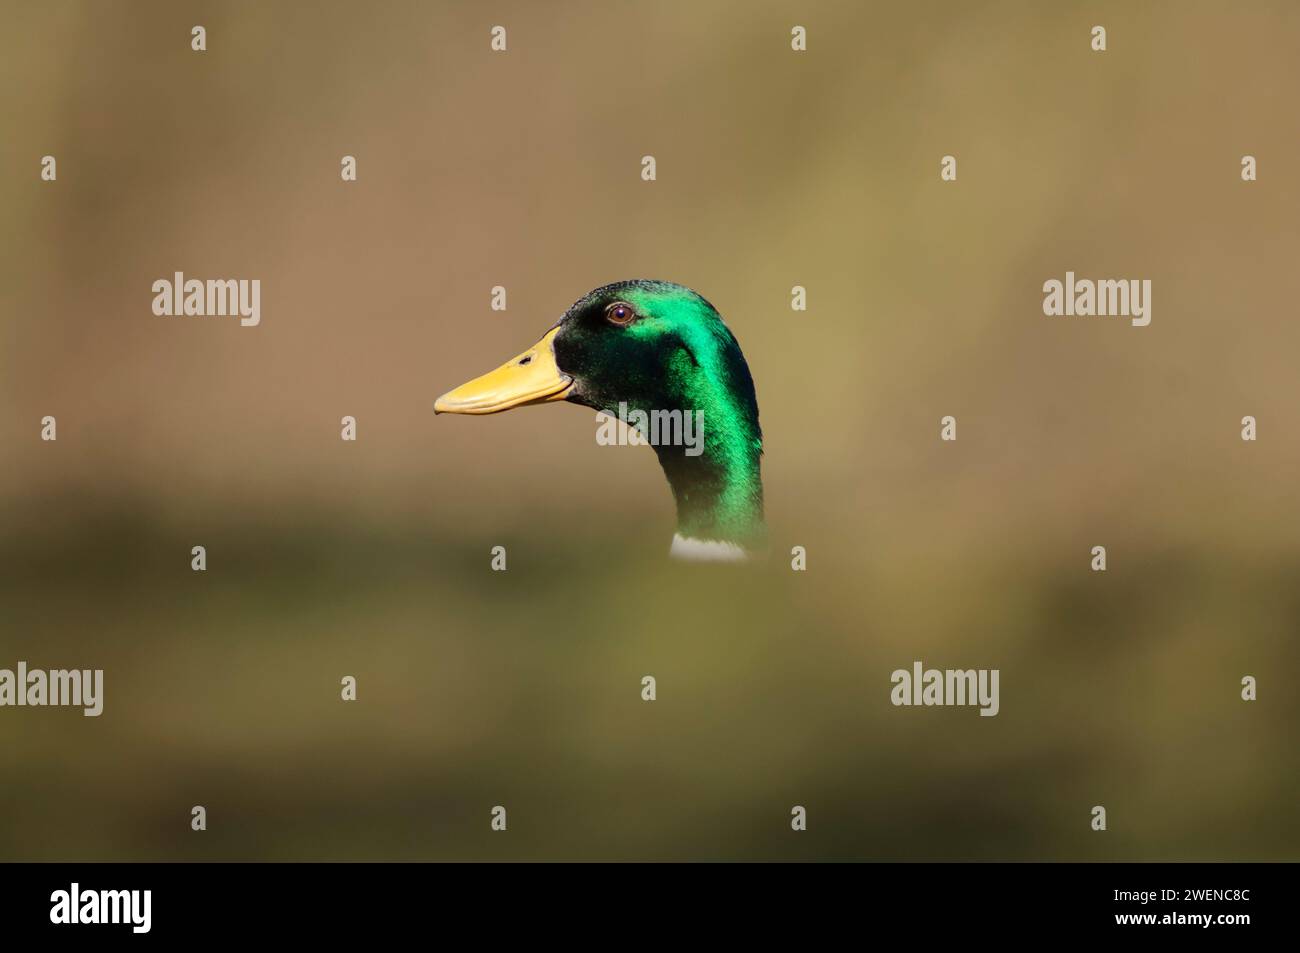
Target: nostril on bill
527, 360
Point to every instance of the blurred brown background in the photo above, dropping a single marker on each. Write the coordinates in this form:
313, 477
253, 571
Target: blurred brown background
371, 559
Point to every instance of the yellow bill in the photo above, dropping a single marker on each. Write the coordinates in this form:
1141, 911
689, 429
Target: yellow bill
532, 377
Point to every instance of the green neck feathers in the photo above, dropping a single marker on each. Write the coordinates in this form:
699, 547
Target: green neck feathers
717, 486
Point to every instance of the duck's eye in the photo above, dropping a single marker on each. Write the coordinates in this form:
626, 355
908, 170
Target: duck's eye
620, 312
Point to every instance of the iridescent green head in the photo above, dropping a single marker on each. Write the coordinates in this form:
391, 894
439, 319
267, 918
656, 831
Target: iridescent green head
652, 350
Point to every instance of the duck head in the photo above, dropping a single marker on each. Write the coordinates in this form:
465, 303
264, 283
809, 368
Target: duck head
652, 347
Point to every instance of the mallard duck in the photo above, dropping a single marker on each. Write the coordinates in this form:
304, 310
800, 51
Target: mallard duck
646, 346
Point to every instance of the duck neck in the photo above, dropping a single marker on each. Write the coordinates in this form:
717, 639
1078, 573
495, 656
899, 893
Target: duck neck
719, 493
